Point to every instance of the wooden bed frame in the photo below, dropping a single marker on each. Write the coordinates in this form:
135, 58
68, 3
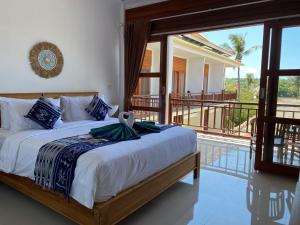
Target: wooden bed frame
115, 209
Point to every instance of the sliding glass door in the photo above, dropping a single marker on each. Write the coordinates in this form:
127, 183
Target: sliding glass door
278, 127
148, 103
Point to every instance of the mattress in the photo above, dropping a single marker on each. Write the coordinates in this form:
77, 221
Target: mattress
106, 171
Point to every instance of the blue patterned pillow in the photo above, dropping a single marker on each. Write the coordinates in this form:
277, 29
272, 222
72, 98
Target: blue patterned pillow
44, 113
98, 108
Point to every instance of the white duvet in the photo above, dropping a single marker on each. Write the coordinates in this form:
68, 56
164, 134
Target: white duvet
103, 172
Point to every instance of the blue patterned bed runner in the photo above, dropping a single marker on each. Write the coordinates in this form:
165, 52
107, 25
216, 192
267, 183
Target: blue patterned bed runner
56, 160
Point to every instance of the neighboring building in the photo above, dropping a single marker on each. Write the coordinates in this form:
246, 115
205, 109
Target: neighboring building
198, 65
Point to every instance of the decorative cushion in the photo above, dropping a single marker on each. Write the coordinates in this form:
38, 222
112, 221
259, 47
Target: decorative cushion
44, 113
98, 108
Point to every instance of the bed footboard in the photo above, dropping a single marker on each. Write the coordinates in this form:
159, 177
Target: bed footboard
115, 209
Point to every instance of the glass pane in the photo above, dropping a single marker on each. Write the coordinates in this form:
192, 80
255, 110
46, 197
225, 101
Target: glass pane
288, 101
286, 149
290, 48
151, 62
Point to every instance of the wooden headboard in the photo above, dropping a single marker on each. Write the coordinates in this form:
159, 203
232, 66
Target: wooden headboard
46, 94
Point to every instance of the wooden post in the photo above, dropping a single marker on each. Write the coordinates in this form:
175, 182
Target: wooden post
197, 169
223, 95
206, 115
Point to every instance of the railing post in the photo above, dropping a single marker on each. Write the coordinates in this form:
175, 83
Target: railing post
189, 108
202, 95
206, 115
223, 95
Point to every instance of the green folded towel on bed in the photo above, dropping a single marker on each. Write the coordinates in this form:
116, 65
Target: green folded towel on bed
115, 132
146, 127
121, 132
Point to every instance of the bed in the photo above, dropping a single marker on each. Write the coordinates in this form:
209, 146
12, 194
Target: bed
116, 179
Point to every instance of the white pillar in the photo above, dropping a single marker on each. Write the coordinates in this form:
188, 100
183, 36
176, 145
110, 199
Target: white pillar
169, 73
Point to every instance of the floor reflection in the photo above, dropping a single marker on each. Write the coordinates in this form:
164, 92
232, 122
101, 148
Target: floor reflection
230, 193
174, 207
268, 199
230, 158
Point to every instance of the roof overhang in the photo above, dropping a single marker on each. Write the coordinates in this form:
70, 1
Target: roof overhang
202, 52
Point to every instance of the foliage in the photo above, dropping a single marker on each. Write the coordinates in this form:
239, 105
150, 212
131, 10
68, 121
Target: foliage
249, 79
249, 94
238, 45
288, 87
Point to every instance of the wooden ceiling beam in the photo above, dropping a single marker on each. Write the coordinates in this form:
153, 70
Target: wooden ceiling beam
243, 15
179, 7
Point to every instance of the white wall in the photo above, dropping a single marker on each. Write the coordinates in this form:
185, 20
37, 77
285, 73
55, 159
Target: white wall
194, 77
86, 31
216, 77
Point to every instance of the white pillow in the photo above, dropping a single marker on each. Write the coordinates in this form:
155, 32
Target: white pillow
113, 110
4, 114
55, 101
74, 107
17, 109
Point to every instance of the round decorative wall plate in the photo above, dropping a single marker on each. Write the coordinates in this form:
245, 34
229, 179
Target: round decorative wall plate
46, 60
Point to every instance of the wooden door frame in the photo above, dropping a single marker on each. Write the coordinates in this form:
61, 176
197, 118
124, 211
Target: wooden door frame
177, 17
267, 112
162, 75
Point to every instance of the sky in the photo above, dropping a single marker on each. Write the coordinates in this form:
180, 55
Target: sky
254, 36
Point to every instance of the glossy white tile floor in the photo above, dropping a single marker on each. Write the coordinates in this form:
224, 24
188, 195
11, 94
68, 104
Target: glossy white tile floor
228, 193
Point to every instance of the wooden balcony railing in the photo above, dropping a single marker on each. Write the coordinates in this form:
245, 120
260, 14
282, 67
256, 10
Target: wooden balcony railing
226, 118
214, 113
145, 101
153, 100
142, 102
215, 96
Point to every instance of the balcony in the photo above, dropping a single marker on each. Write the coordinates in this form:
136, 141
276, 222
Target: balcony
212, 113
142, 102
226, 118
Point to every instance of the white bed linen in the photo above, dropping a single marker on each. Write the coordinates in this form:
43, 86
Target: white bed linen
103, 172
4, 133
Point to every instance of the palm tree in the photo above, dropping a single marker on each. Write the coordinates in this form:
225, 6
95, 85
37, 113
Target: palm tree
238, 45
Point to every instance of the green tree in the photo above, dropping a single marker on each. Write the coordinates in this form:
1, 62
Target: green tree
249, 79
297, 79
238, 45
288, 87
